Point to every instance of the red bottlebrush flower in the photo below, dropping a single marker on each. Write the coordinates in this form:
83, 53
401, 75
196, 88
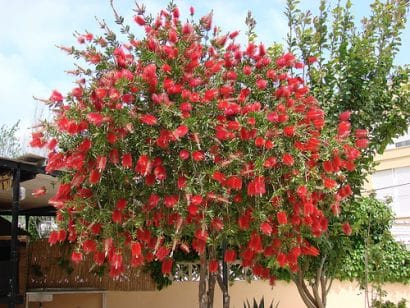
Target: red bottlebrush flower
282, 259
255, 243
259, 142
230, 256
302, 191
270, 162
127, 161
121, 204
343, 129
116, 216
101, 93
282, 218
310, 251
361, 133
96, 228
111, 138
180, 131
196, 199
172, 36
166, 266
329, 183
261, 84
143, 165
183, 154
89, 246
311, 59
153, 201
182, 182
56, 97
206, 21
170, 201
52, 144
76, 256
213, 266
94, 177
95, 118
273, 117
99, 258
289, 131
53, 238
148, 119
257, 186
114, 156
347, 229
117, 260
139, 20
345, 116
135, 249
247, 70
162, 252
101, 162
37, 140
61, 235
160, 173
362, 143
288, 159
219, 177
266, 228
233, 182
198, 156
201, 234
217, 224
193, 209
39, 192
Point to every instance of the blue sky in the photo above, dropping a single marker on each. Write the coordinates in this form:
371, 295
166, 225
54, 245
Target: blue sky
31, 65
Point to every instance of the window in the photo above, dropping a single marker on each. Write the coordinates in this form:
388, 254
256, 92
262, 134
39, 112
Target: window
394, 183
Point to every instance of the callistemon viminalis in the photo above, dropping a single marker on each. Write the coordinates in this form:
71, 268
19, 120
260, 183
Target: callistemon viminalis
182, 139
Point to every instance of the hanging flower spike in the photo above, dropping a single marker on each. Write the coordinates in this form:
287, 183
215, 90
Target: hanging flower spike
166, 266
230, 256
347, 229
257, 186
213, 266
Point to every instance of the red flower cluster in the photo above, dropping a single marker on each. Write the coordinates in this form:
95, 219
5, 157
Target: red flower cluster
172, 138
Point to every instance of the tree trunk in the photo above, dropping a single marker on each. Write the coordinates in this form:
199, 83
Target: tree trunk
203, 279
316, 295
225, 293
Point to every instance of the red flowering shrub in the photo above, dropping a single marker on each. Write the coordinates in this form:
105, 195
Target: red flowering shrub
177, 141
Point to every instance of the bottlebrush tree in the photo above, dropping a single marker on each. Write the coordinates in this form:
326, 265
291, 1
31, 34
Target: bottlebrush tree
182, 140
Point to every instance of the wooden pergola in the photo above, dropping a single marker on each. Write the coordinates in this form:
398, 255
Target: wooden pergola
18, 179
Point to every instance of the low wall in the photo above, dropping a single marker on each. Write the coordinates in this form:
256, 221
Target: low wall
184, 295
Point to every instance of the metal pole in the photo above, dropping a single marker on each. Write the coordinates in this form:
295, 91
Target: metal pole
13, 245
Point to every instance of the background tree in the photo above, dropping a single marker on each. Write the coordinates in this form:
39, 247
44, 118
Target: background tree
354, 71
181, 140
374, 257
10, 145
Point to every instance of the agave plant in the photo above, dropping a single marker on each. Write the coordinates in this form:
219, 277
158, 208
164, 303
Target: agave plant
260, 305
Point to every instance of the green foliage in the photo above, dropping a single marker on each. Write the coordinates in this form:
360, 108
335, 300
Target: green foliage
354, 69
387, 260
355, 72
10, 145
389, 304
154, 268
